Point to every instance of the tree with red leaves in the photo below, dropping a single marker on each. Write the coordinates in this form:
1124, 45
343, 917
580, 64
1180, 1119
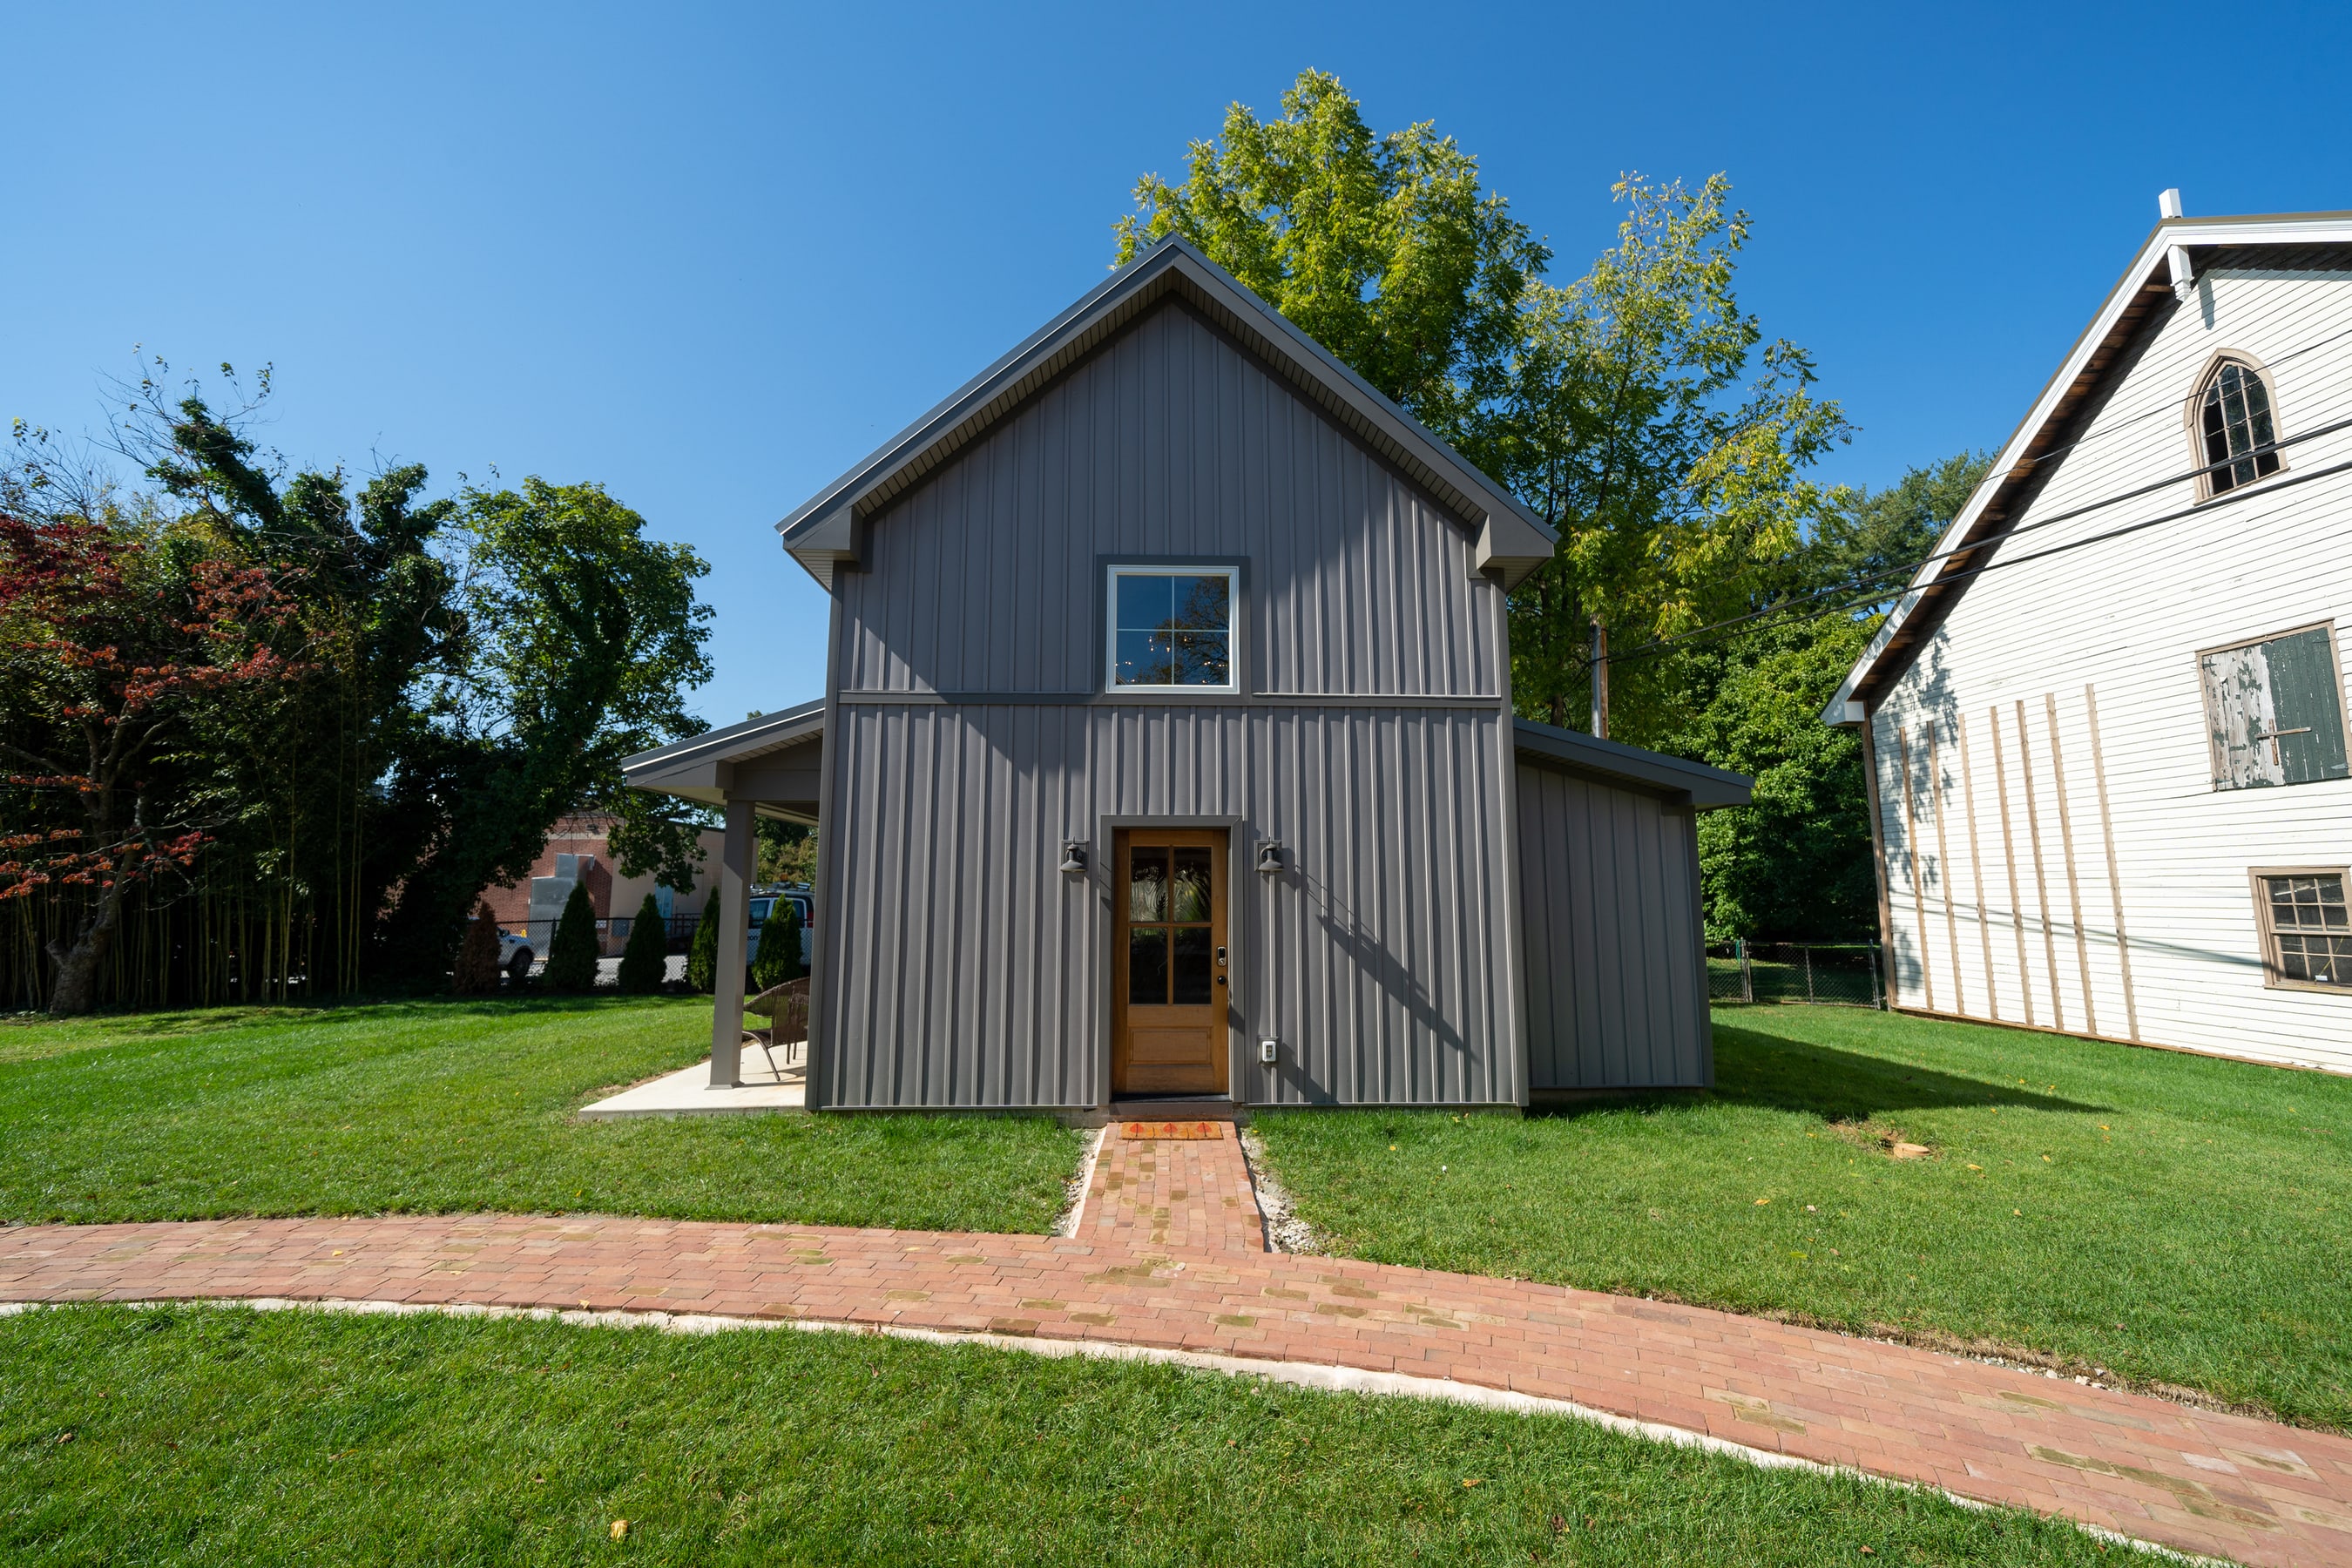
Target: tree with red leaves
119, 635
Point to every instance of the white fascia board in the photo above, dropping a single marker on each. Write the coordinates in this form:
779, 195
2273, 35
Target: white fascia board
2294, 228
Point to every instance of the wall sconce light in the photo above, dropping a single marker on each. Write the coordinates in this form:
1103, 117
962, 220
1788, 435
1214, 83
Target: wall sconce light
1269, 857
1073, 857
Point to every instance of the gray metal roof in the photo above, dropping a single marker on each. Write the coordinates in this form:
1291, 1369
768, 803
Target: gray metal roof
827, 527
1706, 787
735, 743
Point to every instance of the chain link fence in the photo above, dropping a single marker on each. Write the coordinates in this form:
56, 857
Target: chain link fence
1825, 974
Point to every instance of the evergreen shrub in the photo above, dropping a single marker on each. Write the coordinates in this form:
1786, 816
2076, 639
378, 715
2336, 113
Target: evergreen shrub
645, 959
702, 954
477, 971
571, 956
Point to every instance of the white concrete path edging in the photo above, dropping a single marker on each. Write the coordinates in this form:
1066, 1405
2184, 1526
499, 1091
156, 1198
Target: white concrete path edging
1299, 1374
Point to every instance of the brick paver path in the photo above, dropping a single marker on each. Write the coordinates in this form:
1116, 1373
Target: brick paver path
1169, 1253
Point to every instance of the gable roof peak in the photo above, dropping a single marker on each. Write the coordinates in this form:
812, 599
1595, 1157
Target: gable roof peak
2177, 245
826, 532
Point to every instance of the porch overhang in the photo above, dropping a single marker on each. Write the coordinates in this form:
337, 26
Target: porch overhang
774, 761
767, 766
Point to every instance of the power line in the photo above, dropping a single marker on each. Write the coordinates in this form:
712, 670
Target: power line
2203, 508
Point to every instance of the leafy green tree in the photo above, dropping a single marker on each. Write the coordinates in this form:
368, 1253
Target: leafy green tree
786, 851
469, 668
572, 952
1383, 248
581, 636
702, 952
779, 958
1650, 422
1796, 865
645, 961
1876, 539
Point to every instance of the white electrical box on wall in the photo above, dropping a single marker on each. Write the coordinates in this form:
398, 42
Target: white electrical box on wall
1269, 1051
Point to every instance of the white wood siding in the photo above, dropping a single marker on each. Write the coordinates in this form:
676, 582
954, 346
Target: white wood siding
2028, 649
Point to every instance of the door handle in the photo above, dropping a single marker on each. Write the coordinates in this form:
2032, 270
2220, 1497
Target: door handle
1221, 980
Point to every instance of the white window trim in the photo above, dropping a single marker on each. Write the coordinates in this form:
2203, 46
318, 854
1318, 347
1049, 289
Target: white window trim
1232, 576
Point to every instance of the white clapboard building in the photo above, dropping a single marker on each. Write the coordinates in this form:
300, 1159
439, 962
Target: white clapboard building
2106, 723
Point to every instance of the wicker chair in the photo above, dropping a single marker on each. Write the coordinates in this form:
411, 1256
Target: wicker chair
786, 1007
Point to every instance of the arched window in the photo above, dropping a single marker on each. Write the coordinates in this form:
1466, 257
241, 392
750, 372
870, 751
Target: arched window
2235, 429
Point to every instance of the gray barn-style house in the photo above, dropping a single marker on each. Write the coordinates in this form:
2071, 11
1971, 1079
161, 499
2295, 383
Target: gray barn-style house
1167, 750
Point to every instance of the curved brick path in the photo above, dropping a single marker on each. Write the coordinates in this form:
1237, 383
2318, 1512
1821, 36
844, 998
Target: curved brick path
1170, 1254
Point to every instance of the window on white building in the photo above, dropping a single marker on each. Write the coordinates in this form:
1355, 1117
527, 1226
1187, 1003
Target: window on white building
2275, 710
2306, 929
2236, 431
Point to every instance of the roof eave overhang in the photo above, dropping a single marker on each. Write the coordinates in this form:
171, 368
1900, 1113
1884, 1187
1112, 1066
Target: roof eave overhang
700, 768
2144, 288
1698, 784
826, 532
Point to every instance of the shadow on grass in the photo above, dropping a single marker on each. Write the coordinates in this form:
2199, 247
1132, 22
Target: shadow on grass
181, 1021
1753, 1068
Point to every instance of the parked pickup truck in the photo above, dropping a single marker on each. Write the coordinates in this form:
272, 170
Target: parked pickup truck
515, 955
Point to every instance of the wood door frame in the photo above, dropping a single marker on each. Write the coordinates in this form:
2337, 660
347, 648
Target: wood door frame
1104, 861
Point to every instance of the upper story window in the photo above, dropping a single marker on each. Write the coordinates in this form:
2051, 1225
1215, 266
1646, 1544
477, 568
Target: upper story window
2275, 710
2235, 428
1172, 627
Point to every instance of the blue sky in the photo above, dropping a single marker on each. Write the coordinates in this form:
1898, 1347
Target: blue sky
712, 255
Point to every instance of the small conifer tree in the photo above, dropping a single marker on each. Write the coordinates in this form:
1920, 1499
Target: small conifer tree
477, 973
702, 955
779, 946
571, 954
645, 959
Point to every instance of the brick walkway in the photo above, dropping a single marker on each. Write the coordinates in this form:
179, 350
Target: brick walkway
1170, 1254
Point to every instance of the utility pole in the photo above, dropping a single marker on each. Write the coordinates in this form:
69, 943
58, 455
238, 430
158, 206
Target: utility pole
1600, 679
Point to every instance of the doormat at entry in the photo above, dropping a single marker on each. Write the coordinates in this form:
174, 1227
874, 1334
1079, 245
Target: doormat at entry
1148, 1130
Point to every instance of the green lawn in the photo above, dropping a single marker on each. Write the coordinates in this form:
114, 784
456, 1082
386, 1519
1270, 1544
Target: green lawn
206, 1436
453, 1106
2176, 1219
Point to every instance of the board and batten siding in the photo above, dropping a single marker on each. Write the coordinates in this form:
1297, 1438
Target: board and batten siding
1609, 897
1971, 786
969, 735
969, 972
1169, 441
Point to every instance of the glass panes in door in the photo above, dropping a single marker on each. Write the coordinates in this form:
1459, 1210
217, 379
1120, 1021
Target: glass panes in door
1170, 957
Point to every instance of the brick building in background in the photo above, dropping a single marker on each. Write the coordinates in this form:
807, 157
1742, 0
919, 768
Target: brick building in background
578, 849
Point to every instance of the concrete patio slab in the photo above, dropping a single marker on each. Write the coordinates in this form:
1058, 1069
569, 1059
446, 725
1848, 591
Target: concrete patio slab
688, 1092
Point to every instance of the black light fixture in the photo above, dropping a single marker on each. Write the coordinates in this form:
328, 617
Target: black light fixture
1074, 856
1269, 857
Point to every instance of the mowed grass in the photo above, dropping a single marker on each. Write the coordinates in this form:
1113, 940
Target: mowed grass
2175, 1219
447, 1107
219, 1435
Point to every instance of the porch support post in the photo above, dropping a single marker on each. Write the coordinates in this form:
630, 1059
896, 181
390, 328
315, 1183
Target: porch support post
734, 895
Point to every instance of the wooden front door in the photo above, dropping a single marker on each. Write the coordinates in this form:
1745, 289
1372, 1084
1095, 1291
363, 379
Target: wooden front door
1168, 985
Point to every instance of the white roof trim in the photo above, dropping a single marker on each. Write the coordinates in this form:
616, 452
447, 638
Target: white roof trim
2285, 228
735, 743
826, 529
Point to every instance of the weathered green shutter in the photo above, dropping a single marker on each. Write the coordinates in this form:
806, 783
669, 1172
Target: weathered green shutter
2308, 705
